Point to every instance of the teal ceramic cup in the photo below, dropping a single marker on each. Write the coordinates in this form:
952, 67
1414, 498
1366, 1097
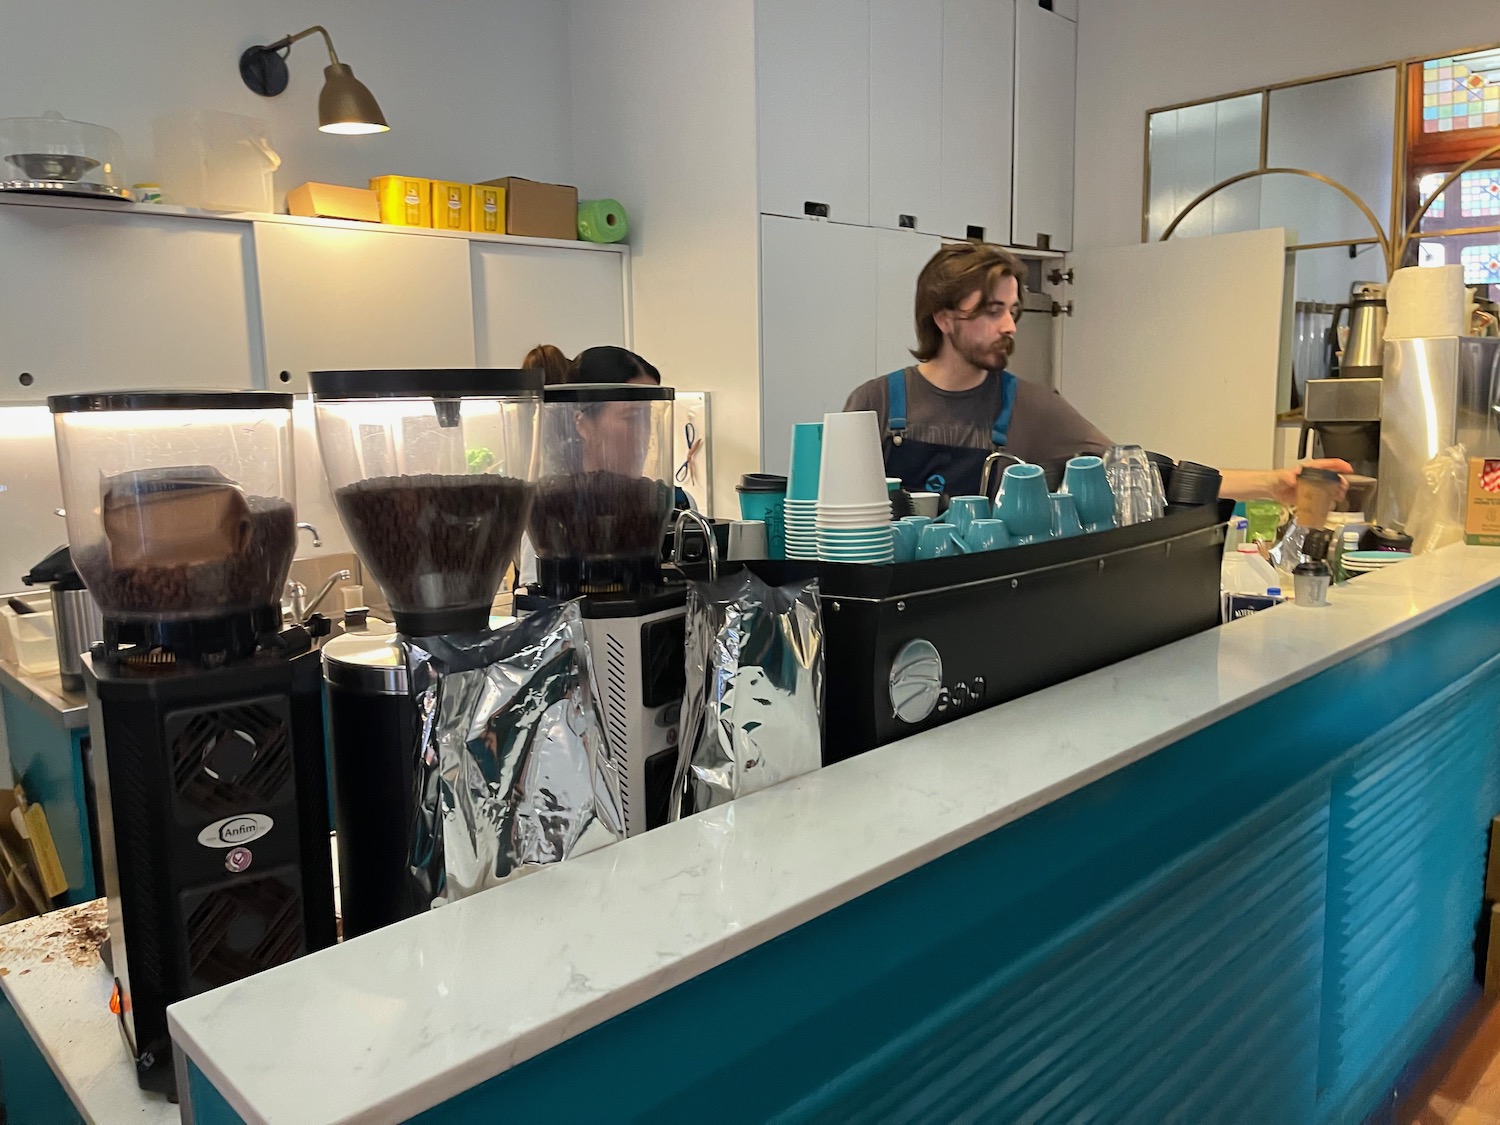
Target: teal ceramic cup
763, 498
1093, 499
904, 536
917, 522
936, 541
988, 535
1065, 522
964, 510
1023, 504
807, 461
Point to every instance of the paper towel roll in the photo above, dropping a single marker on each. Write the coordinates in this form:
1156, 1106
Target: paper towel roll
1426, 301
602, 220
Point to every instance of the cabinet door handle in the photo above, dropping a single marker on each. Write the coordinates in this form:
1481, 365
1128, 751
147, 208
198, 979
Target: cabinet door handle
906, 222
815, 210
976, 233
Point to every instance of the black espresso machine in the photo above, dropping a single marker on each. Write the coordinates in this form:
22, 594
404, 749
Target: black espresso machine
916, 645
204, 712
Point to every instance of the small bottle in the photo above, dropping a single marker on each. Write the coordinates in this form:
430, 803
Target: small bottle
1239, 532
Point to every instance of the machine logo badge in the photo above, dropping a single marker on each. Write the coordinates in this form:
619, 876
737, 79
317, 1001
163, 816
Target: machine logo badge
238, 860
233, 831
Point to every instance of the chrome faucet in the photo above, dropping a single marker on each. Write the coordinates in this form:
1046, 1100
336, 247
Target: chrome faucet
303, 609
311, 530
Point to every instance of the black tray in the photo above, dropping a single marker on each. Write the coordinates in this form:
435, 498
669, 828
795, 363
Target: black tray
1007, 623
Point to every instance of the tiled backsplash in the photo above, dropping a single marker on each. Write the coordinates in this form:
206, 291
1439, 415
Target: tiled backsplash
30, 492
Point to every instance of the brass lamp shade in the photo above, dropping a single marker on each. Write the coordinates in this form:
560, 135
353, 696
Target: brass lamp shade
346, 105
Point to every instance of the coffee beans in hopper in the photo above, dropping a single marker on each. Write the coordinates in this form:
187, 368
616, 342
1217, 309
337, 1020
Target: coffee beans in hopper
599, 515
247, 578
436, 541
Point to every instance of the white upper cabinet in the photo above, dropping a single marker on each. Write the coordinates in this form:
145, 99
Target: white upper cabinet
978, 83
906, 106
349, 298
530, 295
818, 324
812, 63
104, 301
1046, 69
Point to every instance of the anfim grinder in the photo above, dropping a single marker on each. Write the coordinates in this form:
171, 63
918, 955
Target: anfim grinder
205, 713
604, 496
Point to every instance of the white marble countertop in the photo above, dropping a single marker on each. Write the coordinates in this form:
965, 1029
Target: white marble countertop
52, 976
394, 1022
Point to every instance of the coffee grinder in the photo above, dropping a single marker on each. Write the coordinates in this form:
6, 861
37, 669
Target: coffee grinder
431, 472
205, 714
604, 497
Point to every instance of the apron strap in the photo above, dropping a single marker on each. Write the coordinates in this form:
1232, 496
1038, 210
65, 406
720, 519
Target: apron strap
1000, 431
895, 404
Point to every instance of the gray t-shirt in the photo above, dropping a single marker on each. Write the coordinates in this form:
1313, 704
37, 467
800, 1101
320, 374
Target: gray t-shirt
1044, 429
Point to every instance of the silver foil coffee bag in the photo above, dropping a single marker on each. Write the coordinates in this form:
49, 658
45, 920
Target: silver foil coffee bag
752, 714
513, 771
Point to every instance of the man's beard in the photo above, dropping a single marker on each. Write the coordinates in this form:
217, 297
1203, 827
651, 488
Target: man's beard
991, 357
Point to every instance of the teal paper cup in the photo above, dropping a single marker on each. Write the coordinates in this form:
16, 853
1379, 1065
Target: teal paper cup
807, 460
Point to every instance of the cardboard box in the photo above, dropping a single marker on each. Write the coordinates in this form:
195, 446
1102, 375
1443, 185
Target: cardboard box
450, 205
405, 201
334, 201
1482, 516
487, 209
538, 210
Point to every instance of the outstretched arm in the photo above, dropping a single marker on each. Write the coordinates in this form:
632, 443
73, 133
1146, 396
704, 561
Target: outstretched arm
1276, 484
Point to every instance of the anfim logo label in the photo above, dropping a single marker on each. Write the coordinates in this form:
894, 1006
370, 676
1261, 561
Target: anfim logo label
233, 831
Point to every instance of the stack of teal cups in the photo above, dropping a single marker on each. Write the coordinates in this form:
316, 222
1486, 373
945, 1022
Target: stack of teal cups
800, 508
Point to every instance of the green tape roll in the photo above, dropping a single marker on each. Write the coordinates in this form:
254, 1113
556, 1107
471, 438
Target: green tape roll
602, 220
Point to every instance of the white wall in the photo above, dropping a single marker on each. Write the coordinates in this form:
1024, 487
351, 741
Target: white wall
1135, 55
473, 89
664, 121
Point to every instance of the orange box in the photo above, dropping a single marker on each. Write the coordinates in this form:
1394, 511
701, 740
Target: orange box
405, 201
450, 205
487, 209
334, 201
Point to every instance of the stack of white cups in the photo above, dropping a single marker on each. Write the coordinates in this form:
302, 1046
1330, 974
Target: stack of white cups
854, 508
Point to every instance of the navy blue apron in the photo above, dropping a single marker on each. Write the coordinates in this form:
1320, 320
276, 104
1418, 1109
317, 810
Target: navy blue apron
926, 467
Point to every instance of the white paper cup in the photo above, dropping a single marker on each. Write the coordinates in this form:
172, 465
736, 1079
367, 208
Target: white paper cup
853, 467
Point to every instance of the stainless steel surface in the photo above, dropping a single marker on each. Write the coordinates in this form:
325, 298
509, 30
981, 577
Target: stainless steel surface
1438, 391
366, 662
1343, 400
916, 681
68, 187
77, 622
68, 710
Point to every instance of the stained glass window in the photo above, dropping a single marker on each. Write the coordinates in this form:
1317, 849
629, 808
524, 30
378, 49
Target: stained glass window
1427, 186
1479, 194
1461, 93
1481, 265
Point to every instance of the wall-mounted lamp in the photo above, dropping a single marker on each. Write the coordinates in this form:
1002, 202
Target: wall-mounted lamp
345, 104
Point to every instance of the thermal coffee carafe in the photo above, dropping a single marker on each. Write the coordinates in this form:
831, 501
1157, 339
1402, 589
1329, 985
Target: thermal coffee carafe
205, 715
604, 498
1364, 352
76, 621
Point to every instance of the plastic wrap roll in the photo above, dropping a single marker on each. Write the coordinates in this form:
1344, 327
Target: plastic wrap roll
602, 220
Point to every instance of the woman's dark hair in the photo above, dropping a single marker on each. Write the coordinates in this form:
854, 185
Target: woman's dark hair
550, 361
609, 364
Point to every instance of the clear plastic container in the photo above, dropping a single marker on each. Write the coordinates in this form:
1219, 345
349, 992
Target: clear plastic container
179, 505
28, 640
216, 161
1246, 572
605, 492
432, 475
52, 154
